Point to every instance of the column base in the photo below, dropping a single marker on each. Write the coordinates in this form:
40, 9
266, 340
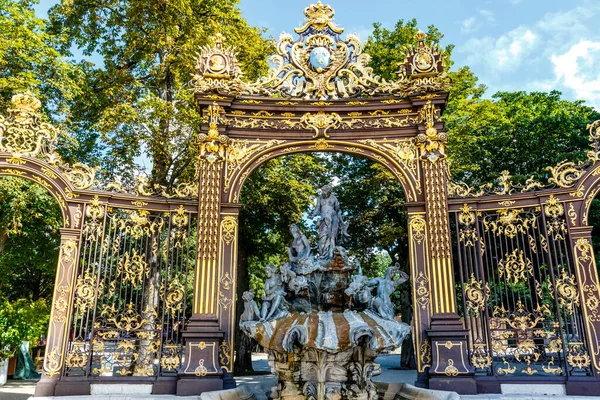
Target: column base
45, 387
460, 385
165, 385
194, 386
582, 386
422, 380
229, 381
450, 368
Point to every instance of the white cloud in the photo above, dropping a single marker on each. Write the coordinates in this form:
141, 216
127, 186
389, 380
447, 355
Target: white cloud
488, 15
503, 53
475, 22
575, 69
469, 25
516, 1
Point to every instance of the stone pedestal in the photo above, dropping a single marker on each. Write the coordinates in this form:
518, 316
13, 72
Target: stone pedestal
450, 369
200, 371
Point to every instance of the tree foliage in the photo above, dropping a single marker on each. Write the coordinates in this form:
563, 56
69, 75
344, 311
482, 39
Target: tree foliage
30, 60
520, 132
137, 100
29, 240
21, 320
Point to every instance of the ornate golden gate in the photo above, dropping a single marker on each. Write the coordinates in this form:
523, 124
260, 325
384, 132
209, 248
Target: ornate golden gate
133, 260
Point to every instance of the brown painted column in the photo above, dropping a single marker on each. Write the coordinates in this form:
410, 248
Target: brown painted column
587, 352
450, 369
227, 281
60, 315
421, 279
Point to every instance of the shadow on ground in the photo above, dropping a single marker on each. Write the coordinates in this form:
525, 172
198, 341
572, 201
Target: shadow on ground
18, 389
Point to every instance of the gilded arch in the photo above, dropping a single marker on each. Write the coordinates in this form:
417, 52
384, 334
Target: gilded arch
50, 179
405, 170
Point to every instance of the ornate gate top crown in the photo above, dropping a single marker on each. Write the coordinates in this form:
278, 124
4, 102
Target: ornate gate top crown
320, 65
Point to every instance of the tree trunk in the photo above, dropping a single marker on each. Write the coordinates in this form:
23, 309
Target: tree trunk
243, 344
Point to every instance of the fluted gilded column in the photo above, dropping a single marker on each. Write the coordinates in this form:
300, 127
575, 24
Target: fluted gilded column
449, 369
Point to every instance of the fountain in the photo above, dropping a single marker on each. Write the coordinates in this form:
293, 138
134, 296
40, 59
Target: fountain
322, 322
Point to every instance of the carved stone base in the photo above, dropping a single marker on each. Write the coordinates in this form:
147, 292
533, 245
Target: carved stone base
318, 374
201, 370
195, 386
450, 368
46, 387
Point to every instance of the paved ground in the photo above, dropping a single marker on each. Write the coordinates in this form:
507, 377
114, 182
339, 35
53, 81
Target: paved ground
22, 390
17, 389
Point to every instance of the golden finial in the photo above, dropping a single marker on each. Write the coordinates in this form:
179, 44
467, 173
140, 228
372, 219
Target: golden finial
420, 36
319, 17
25, 102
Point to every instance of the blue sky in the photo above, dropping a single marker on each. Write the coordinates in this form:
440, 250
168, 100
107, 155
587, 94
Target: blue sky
509, 44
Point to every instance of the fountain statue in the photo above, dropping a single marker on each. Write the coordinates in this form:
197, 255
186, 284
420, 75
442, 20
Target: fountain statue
322, 322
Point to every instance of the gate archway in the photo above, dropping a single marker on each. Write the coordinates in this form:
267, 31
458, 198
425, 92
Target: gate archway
121, 300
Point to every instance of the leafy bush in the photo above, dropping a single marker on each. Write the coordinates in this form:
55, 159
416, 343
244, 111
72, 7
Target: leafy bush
22, 320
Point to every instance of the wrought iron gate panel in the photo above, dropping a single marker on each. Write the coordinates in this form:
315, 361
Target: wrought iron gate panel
133, 287
519, 295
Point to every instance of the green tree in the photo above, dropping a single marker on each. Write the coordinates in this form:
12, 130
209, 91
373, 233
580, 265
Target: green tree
520, 132
138, 102
275, 195
29, 240
30, 60
21, 320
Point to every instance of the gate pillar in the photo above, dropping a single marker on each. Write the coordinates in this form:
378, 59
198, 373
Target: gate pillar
450, 369
421, 278
208, 336
60, 315
586, 353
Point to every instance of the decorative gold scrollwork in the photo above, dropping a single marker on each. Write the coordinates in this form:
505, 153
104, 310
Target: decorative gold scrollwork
509, 222
133, 267
225, 355
425, 351
556, 226
53, 362
180, 217
78, 356
565, 174
521, 320
85, 291
417, 225
321, 123
450, 369
468, 234
515, 266
577, 356
481, 359
201, 369
566, 287
174, 296
171, 360
422, 290
476, 294
228, 226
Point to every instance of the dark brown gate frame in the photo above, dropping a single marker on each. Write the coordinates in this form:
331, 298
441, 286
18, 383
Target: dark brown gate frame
333, 105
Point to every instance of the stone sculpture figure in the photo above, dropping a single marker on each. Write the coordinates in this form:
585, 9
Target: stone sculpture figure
329, 223
299, 249
273, 299
382, 304
360, 290
251, 311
